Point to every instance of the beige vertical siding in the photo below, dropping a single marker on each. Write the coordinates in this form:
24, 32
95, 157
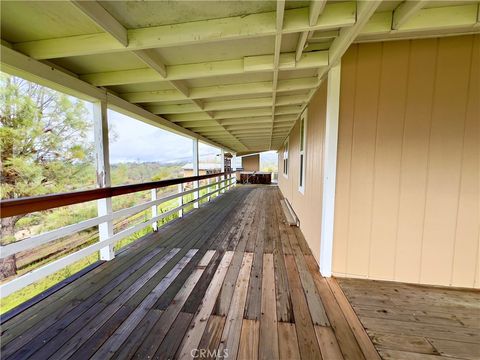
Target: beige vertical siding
251, 163
307, 205
407, 200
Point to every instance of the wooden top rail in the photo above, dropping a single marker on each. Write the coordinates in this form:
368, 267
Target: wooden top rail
12, 207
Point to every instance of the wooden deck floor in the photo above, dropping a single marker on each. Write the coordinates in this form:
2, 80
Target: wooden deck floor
229, 280
417, 322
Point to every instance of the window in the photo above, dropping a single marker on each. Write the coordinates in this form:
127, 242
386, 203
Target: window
303, 139
285, 158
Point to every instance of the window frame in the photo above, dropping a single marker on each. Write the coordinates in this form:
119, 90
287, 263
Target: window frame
302, 152
286, 151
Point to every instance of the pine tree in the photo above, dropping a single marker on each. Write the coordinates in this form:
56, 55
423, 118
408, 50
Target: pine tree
43, 146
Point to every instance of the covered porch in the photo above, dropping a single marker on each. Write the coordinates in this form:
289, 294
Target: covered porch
372, 108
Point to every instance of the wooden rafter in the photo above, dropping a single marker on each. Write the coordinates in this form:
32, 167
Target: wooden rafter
325, 31
276, 57
425, 22
107, 22
244, 65
239, 27
405, 11
263, 87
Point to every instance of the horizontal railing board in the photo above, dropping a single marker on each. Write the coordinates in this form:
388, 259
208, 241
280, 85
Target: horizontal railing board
56, 234
50, 268
12, 207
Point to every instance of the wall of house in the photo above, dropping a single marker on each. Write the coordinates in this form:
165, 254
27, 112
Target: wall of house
407, 194
407, 197
307, 206
251, 163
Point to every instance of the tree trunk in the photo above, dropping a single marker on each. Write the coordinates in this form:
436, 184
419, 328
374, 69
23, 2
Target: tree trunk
8, 265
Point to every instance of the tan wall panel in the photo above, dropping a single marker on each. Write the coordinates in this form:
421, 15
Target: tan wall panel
363, 158
407, 179
414, 163
251, 163
388, 153
307, 206
345, 131
445, 155
467, 229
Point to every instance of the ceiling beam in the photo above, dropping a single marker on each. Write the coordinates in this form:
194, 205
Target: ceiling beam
102, 18
226, 105
426, 22
230, 114
365, 10
14, 63
212, 125
107, 22
151, 59
315, 10
258, 119
405, 11
247, 64
278, 46
239, 27
264, 87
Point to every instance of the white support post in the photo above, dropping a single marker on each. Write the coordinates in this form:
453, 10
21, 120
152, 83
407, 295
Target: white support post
180, 200
330, 171
208, 188
222, 159
234, 167
154, 210
196, 194
104, 206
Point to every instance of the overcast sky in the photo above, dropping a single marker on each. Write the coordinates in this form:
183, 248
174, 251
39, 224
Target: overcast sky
137, 141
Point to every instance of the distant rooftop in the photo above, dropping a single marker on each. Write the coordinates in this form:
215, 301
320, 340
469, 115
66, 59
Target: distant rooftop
204, 166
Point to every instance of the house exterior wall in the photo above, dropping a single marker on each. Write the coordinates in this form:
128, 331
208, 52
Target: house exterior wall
251, 163
407, 191
307, 206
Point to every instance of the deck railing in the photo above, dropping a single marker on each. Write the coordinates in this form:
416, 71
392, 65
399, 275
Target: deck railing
222, 182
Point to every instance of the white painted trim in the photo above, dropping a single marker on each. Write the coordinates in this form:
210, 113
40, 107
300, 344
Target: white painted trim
330, 171
154, 209
102, 155
222, 160
195, 163
286, 143
180, 200
302, 173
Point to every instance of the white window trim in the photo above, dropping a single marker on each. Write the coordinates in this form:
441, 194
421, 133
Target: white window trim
302, 172
286, 144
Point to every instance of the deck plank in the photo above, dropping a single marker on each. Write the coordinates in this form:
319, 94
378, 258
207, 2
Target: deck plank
233, 324
211, 337
307, 340
419, 322
249, 340
268, 320
196, 329
288, 342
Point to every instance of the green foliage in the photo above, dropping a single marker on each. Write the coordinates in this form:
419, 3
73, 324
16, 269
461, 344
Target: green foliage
43, 139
